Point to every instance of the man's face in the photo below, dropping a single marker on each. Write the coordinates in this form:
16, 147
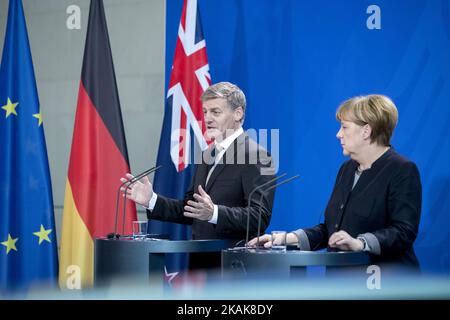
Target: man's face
219, 118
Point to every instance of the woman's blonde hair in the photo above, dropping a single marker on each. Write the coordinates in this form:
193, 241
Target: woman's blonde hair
376, 110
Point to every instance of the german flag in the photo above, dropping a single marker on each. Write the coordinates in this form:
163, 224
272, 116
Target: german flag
98, 159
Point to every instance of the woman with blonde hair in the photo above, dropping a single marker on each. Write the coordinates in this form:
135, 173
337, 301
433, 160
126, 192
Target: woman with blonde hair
376, 200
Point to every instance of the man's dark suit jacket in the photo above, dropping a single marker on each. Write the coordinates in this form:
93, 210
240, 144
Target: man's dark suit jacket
245, 166
386, 201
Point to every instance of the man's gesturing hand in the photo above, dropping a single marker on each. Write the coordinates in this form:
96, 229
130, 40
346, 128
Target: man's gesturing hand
140, 192
202, 208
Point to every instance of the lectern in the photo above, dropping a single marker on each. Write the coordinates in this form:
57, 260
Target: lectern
141, 261
245, 262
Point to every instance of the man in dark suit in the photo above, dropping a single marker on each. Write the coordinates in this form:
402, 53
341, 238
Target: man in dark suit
216, 202
376, 201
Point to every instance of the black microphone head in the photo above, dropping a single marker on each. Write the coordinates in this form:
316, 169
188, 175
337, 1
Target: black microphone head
113, 235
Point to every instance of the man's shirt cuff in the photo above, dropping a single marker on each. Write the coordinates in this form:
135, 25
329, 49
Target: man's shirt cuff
152, 202
215, 215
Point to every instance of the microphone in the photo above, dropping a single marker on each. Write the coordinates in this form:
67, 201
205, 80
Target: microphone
250, 198
261, 198
130, 183
115, 235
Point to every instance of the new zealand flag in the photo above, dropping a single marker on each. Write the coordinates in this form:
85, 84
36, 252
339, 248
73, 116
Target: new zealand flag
183, 127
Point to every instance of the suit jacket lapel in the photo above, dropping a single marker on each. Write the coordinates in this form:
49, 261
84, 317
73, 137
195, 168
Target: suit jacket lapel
202, 172
204, 167
348, 183
216, 172
229, 154
369, 176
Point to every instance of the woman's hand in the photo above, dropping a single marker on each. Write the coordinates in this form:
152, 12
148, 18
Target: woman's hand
343, 241
265, 240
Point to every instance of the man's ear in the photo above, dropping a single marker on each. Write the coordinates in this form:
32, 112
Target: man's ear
238, 114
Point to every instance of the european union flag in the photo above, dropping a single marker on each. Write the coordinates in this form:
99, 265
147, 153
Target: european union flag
28, 253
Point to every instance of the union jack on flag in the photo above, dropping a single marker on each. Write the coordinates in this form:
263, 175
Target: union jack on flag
183, 126
190, 78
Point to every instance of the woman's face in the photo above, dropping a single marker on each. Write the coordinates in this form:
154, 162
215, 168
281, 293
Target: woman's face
351, 137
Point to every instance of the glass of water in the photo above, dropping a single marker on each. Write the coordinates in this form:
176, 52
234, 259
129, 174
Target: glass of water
139, 230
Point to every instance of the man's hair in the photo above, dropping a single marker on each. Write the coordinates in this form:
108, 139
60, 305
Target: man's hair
376, 110
225, 90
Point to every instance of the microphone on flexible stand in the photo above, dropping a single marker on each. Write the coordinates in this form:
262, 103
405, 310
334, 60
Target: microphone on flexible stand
115, 235
130, 183
261, 198
250, 198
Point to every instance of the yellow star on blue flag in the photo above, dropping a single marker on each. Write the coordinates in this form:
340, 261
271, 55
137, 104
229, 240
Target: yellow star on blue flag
10, 244
10, 108
39, 117
43, 234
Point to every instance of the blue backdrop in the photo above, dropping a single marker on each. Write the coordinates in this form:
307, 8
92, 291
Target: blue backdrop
298, 60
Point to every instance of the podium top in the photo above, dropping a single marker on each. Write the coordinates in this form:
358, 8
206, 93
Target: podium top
297, 257
155, 245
